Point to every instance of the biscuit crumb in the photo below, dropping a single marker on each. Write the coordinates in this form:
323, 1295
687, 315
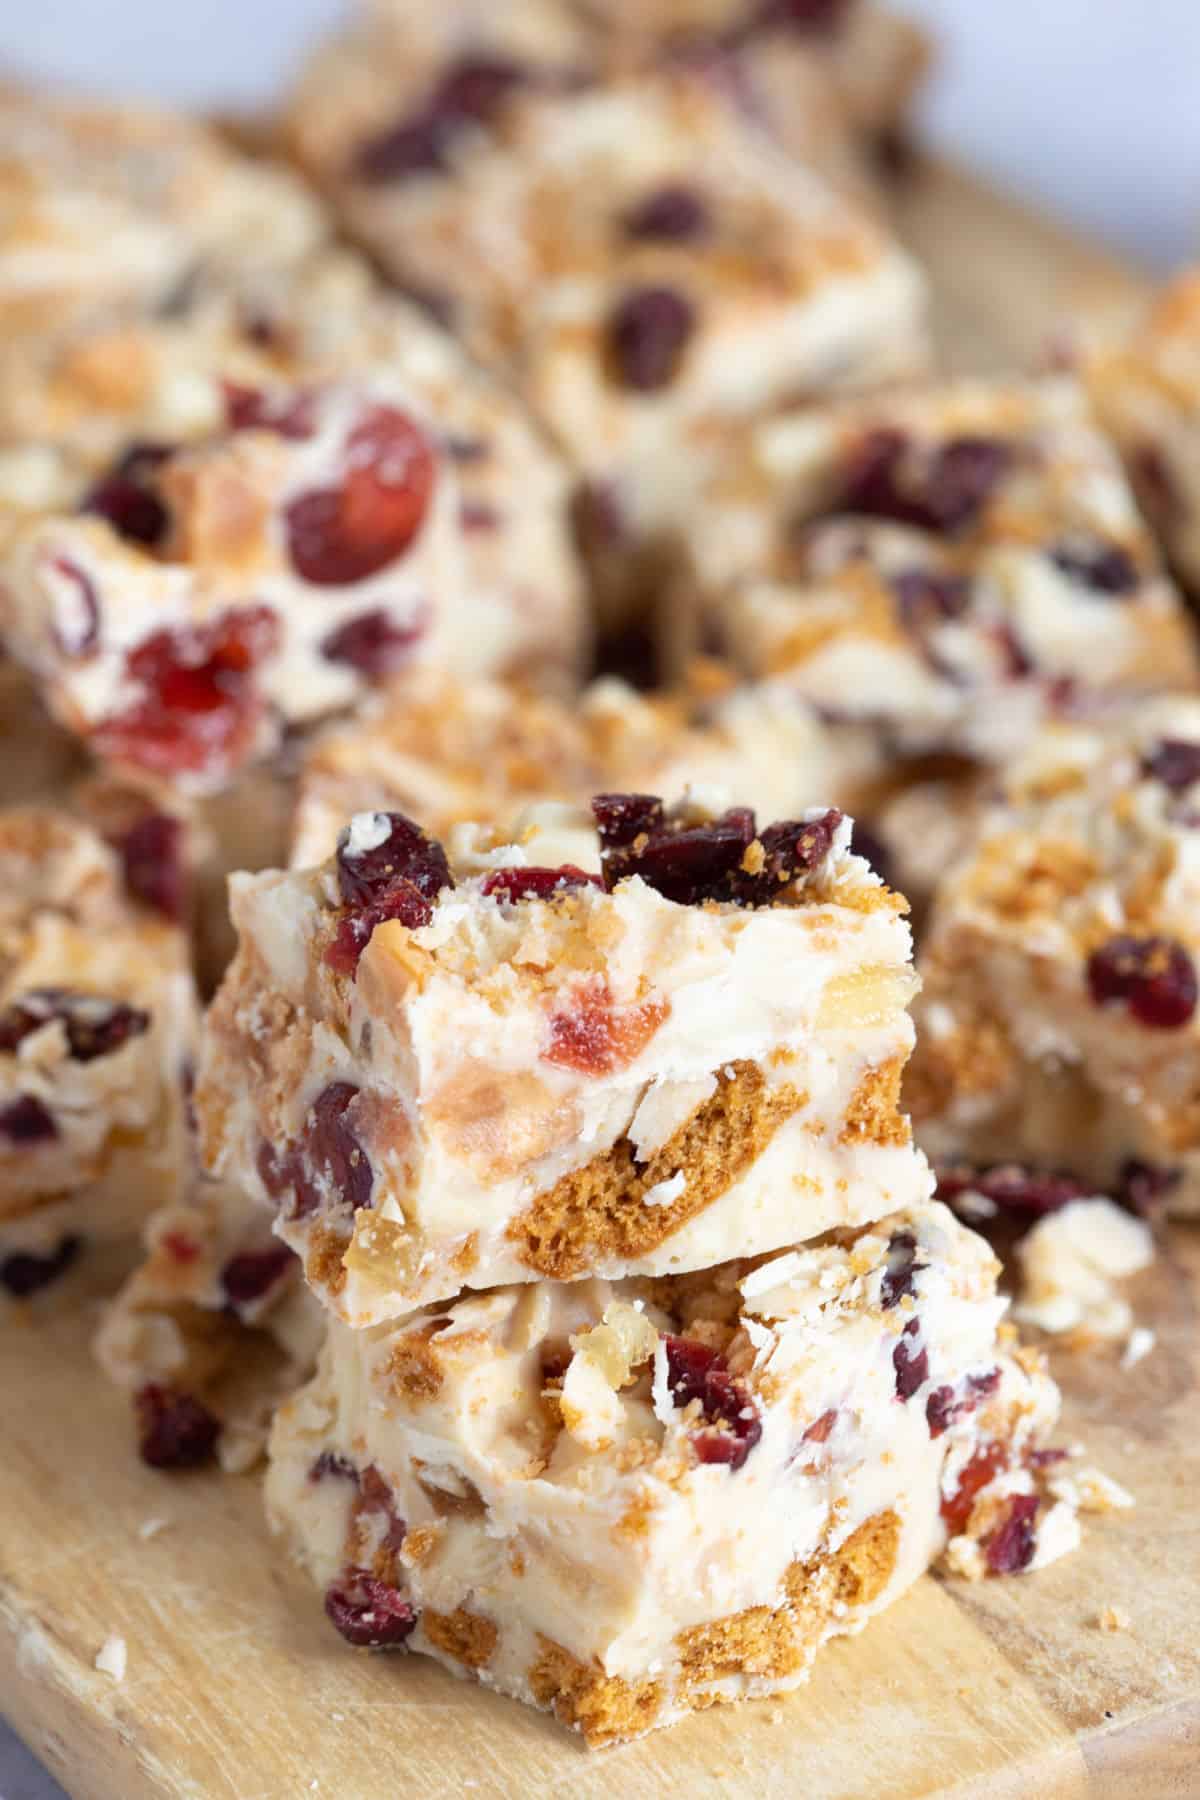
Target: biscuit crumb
1113, 1618
150, 1528
112, 1657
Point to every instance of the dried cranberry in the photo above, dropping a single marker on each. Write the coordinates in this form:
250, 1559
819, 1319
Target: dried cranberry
691, 863
470, 93
151, 853
1013, 1188
26, 1121
926, 598
1144, 1186
201, 706
25, 1273
899, 1278
1175, 762
334, 1152
1153, 977
647, 336
398, 877
403, 853
250, 1274
369, 1614
340, 535
945, 495
1046, 1459
330, 1464
733, 1425
685, 863
942, 1408
793, 848
620, 818
373, 643
127, 498
674, 214
175, 1431
1104, 568
76, 636
288, 415
598, 518
94, 1027
1010, 1548
911, 1365
537, 884
376, 1496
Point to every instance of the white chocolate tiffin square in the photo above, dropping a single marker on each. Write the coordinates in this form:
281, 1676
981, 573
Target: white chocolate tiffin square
97, 1036
623, 1500
117, 210
1058, 1020
955, 564
277, 568
486, 1068
211, 1330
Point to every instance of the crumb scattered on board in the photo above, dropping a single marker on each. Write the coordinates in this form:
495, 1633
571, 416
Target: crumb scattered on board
112, 1657
1113, 1618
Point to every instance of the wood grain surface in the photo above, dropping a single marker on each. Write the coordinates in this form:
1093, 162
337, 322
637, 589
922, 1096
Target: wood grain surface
237, 1690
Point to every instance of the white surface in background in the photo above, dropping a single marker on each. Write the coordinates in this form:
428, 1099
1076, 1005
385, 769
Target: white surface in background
1091, 105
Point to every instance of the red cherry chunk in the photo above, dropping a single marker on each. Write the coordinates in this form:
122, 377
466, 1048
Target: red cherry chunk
201, 707
983, 1467
1154, 978
339, 535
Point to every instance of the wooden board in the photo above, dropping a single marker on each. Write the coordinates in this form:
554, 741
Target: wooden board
236, 1689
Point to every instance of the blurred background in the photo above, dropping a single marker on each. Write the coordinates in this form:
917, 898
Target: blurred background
1090, 106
